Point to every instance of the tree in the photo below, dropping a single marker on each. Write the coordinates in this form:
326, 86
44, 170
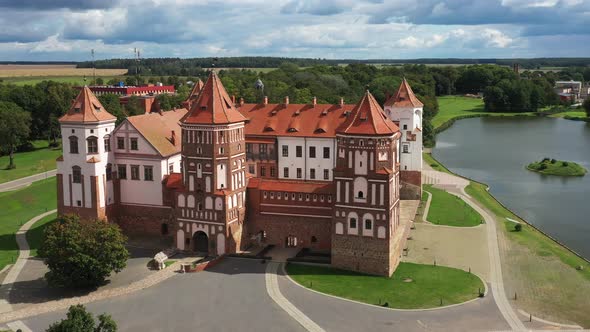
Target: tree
133, 106
14, 128
80, 320
587, 106
111, 103
82, 254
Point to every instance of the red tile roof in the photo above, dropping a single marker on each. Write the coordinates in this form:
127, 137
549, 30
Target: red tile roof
298, 120
368, 118
157, 129
86, 108
404, 97
291, 186
174, 181
214, 106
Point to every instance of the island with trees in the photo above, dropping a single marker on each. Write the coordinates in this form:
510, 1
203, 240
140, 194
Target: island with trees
557, 167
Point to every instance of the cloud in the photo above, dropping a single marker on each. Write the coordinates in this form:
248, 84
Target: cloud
51, 44
57, 4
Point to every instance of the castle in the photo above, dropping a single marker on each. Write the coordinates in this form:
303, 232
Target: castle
219, 175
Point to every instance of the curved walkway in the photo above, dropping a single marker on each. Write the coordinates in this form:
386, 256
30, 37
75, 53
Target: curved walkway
23, 255
23, 182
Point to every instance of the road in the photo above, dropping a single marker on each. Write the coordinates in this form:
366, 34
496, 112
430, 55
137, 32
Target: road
23, 182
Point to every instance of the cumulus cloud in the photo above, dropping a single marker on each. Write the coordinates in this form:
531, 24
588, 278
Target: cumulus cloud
57, 4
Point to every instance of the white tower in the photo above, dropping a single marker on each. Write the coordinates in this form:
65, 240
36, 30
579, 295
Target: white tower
405, 109
84, 171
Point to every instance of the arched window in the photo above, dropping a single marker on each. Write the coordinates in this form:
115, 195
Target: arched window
73, 144
92, 144
76, 174
360, 194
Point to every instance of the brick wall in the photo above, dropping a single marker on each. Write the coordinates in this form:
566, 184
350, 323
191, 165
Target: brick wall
411, 182
278, 228
358, 253
144, 219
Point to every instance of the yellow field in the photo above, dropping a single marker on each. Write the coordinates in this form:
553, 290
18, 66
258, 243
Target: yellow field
54, 71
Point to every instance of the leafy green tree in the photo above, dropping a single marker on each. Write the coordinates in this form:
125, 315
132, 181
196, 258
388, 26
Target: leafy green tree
80, 320
164, 101
133, 106
99, 81
586, 106
111, 103
82, 254
14, 128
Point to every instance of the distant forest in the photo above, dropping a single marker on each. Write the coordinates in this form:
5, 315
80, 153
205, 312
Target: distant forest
188, 67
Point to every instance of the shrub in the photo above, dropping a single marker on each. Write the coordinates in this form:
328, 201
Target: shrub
542, 167
81, 254
80, 320
545, 160
565, 164
518, 227
553, 161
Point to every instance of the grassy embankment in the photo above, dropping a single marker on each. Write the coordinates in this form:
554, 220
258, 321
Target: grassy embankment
40, 160
543, 274
18, 207
412, 286
451, 108
450, 210
557, 167
35, 233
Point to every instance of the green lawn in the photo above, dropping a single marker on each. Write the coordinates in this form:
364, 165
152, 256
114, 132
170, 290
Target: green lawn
35, 234
447, 209
574, 114
17, 208
456, 107
557, 167
28, 163
429, 284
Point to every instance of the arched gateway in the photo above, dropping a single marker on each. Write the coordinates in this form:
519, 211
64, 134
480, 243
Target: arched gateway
200, 242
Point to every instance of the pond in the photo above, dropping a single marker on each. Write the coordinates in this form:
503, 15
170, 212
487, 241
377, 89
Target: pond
496, 150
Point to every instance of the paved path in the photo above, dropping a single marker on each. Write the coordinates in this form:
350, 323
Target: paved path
23, 256
23, 182
456, 186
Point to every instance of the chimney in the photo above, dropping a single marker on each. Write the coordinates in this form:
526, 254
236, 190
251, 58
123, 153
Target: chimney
286, 100
173, 138
265, 100
314, 101
341, 101
241, 101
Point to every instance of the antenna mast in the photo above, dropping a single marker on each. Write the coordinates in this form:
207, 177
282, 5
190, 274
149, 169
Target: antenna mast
93, 67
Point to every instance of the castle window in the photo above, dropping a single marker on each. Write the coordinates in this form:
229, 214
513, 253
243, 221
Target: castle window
120, 143
330, 198
307, 197
298, 151
321, 198
314, 239
249, 149
272, 195
279, 195
368, 224
312, 152
326, 174
109, 172
315, 197
299, 173
361, 142
360, 194
148, 173
79, 202
122, 171
312, 173
73, 144
107, 145
134, 172
405, 148
326, 152
251, 169
300, 196
262, 171
273, 171
133, 143
221, 150
264, 194
405, 126
352, 223
92, 143
262, 148
199, 150
293, 196
286, 172
285, 150
170, 168
76, 174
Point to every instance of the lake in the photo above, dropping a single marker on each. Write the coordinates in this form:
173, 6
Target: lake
496, 150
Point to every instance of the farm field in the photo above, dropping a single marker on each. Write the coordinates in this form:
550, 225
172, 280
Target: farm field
54, 71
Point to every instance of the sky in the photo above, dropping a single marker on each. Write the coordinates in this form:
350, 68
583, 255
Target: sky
44, 30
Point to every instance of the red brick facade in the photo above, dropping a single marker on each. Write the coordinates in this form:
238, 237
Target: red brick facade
411, 182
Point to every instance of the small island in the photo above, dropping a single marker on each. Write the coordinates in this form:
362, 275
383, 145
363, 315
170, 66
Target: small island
557, 167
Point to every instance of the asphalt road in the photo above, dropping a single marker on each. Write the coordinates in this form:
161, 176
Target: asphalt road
232, 297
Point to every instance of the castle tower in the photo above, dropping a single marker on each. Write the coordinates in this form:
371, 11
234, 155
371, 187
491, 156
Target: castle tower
84, 171
405, 109
210, 210
193, 95
365, 234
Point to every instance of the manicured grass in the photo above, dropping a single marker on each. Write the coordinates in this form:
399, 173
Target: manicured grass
447, 209
572, 114
35, 234
557, 167
429, 159
429, 284
28, 163
169, 262
17, 208
454, 107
